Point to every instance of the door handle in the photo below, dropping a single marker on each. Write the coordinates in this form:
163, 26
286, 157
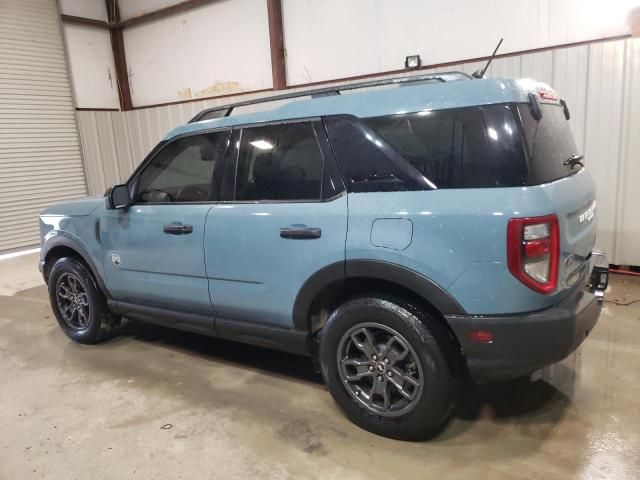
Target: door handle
177, 228
297, 233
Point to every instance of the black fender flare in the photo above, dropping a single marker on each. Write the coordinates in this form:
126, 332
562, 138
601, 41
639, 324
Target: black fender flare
64, 241
376, 269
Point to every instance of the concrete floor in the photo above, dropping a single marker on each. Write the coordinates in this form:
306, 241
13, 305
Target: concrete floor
155, 403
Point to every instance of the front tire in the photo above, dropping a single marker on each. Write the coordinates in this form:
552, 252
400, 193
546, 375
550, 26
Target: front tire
78, 304
385, 364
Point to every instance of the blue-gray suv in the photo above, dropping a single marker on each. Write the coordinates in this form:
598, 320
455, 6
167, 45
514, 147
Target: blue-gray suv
407, 236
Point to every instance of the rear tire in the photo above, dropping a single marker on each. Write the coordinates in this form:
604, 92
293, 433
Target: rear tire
385, 364
78, 304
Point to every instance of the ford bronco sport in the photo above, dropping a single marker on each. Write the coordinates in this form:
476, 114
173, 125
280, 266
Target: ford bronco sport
406, 237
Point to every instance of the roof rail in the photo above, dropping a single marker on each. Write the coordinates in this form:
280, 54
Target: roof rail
225, 110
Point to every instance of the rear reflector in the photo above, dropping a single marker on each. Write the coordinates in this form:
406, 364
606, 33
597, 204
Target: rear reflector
480, 336
533, 251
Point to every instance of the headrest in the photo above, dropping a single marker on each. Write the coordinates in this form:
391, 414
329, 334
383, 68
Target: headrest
263, 165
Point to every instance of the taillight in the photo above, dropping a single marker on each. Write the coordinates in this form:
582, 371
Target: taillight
533, 251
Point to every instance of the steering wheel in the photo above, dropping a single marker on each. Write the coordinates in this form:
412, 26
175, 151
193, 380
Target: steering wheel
156, 191
192, 193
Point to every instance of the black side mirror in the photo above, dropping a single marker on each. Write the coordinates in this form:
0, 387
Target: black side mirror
118, 197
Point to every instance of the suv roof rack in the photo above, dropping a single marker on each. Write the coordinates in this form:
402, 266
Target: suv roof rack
225, 110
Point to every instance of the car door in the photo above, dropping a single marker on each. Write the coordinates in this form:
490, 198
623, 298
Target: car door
283, 217
153, 251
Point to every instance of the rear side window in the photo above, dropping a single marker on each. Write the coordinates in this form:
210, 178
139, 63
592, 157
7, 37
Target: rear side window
549, 143
448, 147
279, 162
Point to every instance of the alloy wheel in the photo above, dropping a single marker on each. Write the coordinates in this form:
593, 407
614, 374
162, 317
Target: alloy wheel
72, 301
380, 369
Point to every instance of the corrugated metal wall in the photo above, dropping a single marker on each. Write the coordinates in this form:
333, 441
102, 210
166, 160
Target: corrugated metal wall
40, 156
601, 82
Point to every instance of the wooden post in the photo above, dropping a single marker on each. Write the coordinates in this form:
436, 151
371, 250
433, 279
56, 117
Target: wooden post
119, 57
276, 41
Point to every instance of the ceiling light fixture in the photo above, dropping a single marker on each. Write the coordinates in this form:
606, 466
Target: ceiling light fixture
262, 145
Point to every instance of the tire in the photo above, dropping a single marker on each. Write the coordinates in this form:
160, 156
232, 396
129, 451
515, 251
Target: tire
72, 290
408, 413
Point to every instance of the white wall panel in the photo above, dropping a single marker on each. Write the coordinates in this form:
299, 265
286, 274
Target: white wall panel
216, 49
603, 131
328, 39
600, 81
627, 229
91, 64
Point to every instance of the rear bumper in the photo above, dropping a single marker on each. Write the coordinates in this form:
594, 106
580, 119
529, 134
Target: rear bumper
524, 343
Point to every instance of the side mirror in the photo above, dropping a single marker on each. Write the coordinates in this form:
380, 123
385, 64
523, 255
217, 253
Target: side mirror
118, 197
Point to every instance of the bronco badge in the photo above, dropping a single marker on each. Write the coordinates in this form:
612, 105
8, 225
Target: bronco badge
588, 214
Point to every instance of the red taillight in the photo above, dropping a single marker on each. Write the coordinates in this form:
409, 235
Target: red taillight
533, 251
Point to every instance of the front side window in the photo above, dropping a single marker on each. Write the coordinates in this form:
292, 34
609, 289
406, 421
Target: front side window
279, 162
183, 170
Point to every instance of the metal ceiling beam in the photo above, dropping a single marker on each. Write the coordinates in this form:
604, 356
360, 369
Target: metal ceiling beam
276, 41
161, 13
119, 57
145, 17
83, 21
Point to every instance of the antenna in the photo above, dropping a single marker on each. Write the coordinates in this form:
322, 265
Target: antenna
480, 73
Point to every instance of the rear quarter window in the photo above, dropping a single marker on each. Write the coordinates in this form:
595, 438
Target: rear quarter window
448, 147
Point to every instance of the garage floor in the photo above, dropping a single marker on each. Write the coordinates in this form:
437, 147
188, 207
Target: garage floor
155, 403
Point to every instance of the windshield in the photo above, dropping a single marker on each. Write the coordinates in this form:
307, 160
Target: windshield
549, 143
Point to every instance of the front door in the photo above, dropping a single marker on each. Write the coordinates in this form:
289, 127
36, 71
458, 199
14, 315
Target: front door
283, 220
153, 251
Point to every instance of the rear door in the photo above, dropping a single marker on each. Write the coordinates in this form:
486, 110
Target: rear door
569, 189
283, 217
153, 252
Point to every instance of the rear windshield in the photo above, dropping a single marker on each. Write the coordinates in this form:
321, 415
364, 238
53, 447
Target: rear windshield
549, 143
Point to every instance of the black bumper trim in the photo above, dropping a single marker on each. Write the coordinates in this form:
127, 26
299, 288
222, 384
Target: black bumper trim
524, 343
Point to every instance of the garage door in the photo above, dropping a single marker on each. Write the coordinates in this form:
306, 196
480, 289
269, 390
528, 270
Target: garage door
40, 156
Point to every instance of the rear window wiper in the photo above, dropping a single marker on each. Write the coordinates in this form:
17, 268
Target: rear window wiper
575, 159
